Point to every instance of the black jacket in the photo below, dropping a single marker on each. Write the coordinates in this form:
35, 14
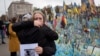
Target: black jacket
44, 36
1, 25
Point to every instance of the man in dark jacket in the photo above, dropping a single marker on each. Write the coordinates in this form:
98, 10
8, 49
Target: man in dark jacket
1, 32
37, 32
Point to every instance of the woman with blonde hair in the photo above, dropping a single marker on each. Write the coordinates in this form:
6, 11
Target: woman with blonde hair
36, 31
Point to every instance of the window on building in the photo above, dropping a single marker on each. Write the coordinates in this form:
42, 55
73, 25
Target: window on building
18, 7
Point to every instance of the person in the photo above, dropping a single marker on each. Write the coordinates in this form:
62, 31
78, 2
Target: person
2, 32
13, 39
36, 31
55, 23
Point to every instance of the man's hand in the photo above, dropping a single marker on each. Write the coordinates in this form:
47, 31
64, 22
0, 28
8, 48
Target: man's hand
39, 50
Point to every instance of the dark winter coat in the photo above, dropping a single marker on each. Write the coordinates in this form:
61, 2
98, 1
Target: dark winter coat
44, 36
1, 25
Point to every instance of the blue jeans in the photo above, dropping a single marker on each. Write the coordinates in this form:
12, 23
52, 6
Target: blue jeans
2, 36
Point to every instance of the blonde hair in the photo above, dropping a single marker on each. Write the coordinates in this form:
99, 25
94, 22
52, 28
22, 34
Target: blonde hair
40, 12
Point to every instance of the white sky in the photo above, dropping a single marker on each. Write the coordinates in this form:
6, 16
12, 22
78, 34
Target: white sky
40, 3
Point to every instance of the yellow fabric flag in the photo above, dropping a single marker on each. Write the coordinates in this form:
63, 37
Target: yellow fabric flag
76, 10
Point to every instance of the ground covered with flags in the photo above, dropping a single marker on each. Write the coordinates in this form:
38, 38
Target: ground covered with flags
77, 38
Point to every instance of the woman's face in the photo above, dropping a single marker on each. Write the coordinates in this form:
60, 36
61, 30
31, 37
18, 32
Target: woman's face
39, 18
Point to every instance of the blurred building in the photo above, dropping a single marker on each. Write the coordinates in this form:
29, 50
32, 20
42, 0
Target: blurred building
18, 8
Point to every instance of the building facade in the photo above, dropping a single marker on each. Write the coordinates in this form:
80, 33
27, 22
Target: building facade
18, 8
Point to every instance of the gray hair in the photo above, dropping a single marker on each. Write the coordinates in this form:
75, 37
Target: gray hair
40, 12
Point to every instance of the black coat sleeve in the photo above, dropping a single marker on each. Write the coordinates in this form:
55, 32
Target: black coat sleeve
49, 33
50, 49
1, 24
22, 25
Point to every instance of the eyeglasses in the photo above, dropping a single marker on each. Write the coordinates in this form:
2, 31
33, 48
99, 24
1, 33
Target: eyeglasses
38, 18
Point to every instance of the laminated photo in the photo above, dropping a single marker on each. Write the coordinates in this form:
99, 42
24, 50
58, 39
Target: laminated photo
28, 49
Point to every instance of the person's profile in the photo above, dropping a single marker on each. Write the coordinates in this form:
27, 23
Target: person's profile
29, 52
